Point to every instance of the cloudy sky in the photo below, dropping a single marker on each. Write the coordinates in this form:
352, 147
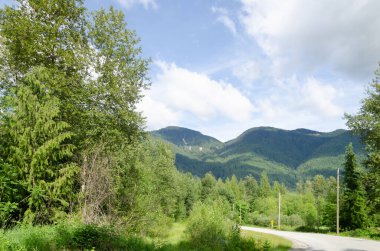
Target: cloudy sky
224, 66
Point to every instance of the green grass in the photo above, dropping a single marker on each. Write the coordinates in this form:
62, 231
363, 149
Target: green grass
176, 233
69, 237
86, 237
277, 243
369, 233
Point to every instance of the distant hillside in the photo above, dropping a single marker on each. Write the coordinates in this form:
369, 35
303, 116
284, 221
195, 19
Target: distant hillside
187, 141
287, 155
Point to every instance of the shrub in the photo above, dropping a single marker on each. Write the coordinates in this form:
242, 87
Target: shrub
208, 228
293, 220
69, 237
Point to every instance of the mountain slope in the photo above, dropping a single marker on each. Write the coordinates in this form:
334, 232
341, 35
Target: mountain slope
286, 155
188, 142
186, 137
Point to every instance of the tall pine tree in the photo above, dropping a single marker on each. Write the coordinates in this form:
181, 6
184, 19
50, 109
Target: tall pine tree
354, 210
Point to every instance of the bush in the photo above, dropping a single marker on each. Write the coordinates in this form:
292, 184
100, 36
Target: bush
27, 238
293, 220
69, 237
236, 242
208, 227
372, 233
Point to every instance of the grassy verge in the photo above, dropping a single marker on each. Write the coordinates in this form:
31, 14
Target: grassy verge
177, 240
91, 237
277, 243
69, 237
369, 233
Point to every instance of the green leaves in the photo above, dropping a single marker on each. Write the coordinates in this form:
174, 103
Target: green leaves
355, 212
39, 151
68, 84
366, 123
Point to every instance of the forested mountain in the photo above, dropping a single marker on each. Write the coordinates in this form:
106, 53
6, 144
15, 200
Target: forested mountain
286, 155
188, 142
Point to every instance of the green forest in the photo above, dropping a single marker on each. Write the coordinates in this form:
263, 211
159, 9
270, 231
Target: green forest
286, 155
78, 171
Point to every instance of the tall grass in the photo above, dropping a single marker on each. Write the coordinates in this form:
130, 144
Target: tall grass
90, 237
69, 237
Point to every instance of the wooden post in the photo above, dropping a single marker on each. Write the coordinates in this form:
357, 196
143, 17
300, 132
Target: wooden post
337, 201
279, 210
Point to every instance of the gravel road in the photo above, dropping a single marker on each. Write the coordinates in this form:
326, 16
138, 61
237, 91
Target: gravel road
321, 242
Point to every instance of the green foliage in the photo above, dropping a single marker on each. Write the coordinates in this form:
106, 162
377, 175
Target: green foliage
265, 187
208, 228
286, 156
373, 233
69, 87
366, 123
208, 184
69, 237
39, 151
354, 202
310, 215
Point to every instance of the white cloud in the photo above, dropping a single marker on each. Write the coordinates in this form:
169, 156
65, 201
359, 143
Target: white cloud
146, 3
293, 104
158, 115
224, 18
320, 98
182, 97
247, 72
178, 93
296, 103
309, 35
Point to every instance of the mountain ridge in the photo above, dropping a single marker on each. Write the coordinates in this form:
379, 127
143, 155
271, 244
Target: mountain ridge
286, 155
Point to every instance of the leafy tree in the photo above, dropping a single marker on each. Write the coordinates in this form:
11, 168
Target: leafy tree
354, 213
265, 188
233, 186
319, 191
251, 189
49, 34
116, 83
366, 123
96, 79
278, 188
208, 185
98, 59
329, 205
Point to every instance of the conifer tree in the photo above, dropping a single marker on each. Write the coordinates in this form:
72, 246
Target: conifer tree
354, 210
265, 188
38, 151
366, 123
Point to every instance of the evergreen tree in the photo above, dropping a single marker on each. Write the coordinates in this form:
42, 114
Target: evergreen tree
354, 210
366, 123
208, 185
329, 205
252, 189
265, 188
38, 151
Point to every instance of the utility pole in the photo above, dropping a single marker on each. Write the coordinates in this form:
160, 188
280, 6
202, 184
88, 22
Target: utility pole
240, 214
279, 210
337, 201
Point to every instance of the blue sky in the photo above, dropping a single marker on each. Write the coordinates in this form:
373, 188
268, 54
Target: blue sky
224, 66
